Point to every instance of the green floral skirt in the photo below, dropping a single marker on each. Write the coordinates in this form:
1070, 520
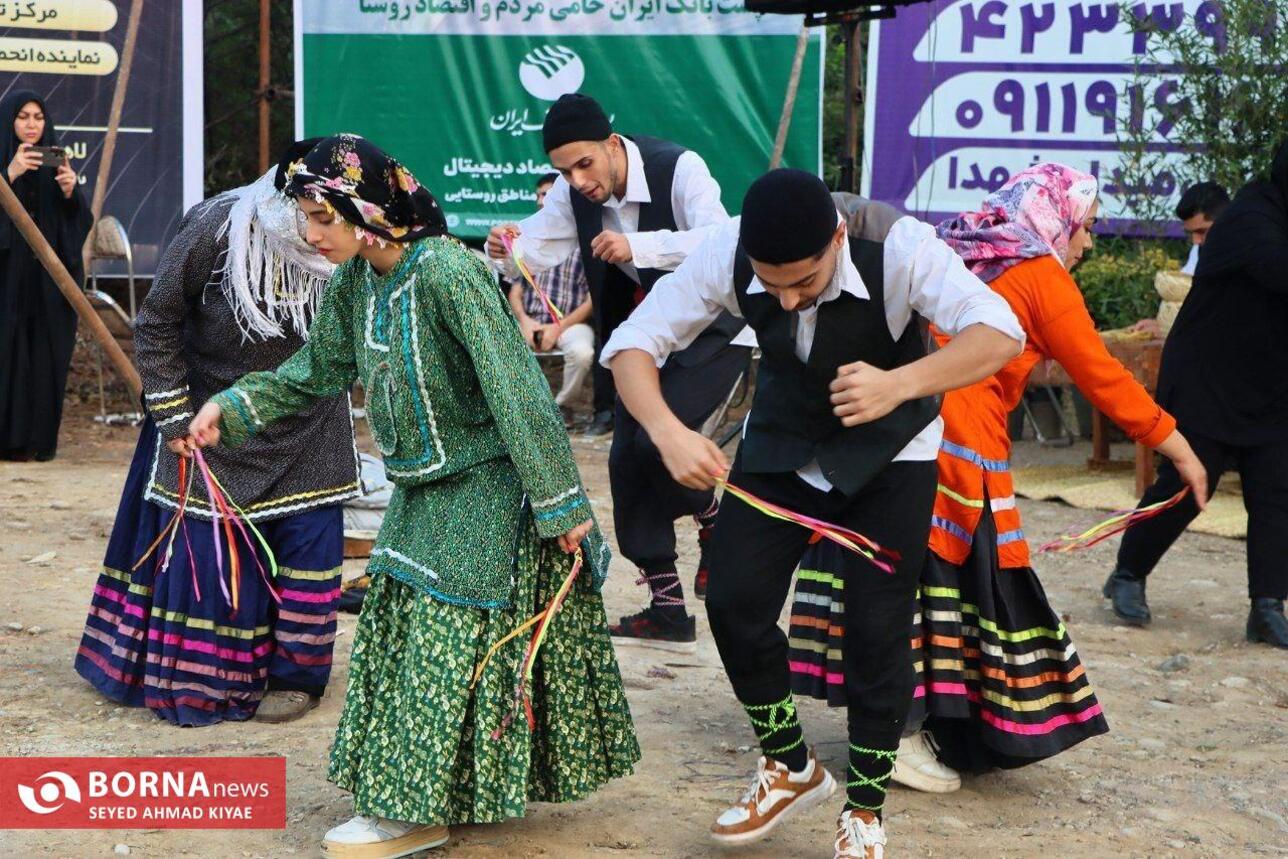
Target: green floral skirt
415, 742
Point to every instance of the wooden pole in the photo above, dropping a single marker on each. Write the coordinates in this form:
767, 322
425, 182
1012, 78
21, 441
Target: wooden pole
264, 75
113, 125
857, 96
789, 101
118, 102
70, 289
852, 59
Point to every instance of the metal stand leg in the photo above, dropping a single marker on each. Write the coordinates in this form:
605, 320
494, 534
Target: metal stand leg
102, 395
1067, 436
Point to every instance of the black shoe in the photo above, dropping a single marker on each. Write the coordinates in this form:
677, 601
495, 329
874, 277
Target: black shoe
1266, 622
652, 628
351, 600
601, 425
1128, 596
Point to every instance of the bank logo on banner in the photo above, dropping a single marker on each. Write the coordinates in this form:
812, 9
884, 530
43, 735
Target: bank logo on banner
143, 793
551, 71
58, 787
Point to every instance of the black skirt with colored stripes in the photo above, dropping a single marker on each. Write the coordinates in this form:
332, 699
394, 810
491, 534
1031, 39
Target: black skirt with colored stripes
999, 683
169, 638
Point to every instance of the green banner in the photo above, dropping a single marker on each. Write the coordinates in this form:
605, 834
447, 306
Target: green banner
458, 91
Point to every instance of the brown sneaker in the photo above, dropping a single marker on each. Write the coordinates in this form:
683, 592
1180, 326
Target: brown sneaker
775, 794
284, 705
859, 835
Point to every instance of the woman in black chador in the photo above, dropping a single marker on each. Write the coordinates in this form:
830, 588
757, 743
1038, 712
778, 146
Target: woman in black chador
37, 325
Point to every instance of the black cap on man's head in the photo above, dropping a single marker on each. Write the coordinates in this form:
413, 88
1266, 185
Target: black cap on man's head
787, 216
573, 118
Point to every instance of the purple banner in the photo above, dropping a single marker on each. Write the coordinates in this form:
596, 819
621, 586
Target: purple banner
964, 93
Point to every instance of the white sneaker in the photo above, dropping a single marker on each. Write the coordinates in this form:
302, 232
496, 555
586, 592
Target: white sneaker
857, 838
918, 767
378, 838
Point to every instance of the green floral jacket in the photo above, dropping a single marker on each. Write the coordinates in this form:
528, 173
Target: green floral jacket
470, 434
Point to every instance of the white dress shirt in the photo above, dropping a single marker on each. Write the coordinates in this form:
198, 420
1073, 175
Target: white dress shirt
922, 275
1192, 261
549, 235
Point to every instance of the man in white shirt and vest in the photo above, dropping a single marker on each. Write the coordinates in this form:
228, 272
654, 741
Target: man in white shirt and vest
636, 207
844, 428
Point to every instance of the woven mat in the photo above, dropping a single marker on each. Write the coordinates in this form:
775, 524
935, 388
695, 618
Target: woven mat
1116, 490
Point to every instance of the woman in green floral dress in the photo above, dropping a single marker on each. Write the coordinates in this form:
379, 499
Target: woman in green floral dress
487, 508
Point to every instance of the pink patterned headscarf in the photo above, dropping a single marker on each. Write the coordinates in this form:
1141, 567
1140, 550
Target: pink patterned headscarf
1034, 214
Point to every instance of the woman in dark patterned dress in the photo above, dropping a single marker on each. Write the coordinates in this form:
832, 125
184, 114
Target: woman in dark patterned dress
234, 293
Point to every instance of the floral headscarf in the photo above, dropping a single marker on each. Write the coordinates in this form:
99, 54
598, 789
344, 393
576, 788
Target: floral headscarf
1034, 214
367, 188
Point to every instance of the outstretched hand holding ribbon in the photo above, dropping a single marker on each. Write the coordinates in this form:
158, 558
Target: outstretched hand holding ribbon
1117, 523
517, 256
234, 521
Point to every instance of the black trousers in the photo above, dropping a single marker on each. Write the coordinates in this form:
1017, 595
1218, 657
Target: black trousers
612, 300
1264, 473
753, 558
646, 501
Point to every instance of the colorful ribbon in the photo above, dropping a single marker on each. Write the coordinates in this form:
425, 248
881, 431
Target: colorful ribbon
225, 512
517, 256
1117, 523
172, 530
880, 557
235, 517
523, 675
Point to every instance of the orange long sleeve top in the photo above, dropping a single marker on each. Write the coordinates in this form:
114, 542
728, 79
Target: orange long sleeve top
974, 459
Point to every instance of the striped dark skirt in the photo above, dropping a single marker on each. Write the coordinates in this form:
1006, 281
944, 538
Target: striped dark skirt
998, 680
170, 640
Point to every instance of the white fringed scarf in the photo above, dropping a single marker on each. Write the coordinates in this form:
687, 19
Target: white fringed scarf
270, 276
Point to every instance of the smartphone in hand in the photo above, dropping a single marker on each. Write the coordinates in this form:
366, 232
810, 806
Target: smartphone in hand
50, 156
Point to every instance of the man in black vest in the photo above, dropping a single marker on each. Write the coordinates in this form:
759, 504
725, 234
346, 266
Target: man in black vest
636, 206
844, 428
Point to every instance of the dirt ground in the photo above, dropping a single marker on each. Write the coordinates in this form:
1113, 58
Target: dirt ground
1196, 763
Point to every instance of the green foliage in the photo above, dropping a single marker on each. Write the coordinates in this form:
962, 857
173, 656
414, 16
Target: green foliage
1226, 104
1117, 279
231, 31
833, 106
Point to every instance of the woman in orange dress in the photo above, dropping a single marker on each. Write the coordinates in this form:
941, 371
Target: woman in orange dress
999, 681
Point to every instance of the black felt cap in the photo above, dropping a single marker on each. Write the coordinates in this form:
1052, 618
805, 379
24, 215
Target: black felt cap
572, 118
787, 216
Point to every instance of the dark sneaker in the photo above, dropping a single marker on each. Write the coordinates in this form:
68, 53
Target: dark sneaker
601, 425
651, 628
351, 600
1266, 622
1127, 593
